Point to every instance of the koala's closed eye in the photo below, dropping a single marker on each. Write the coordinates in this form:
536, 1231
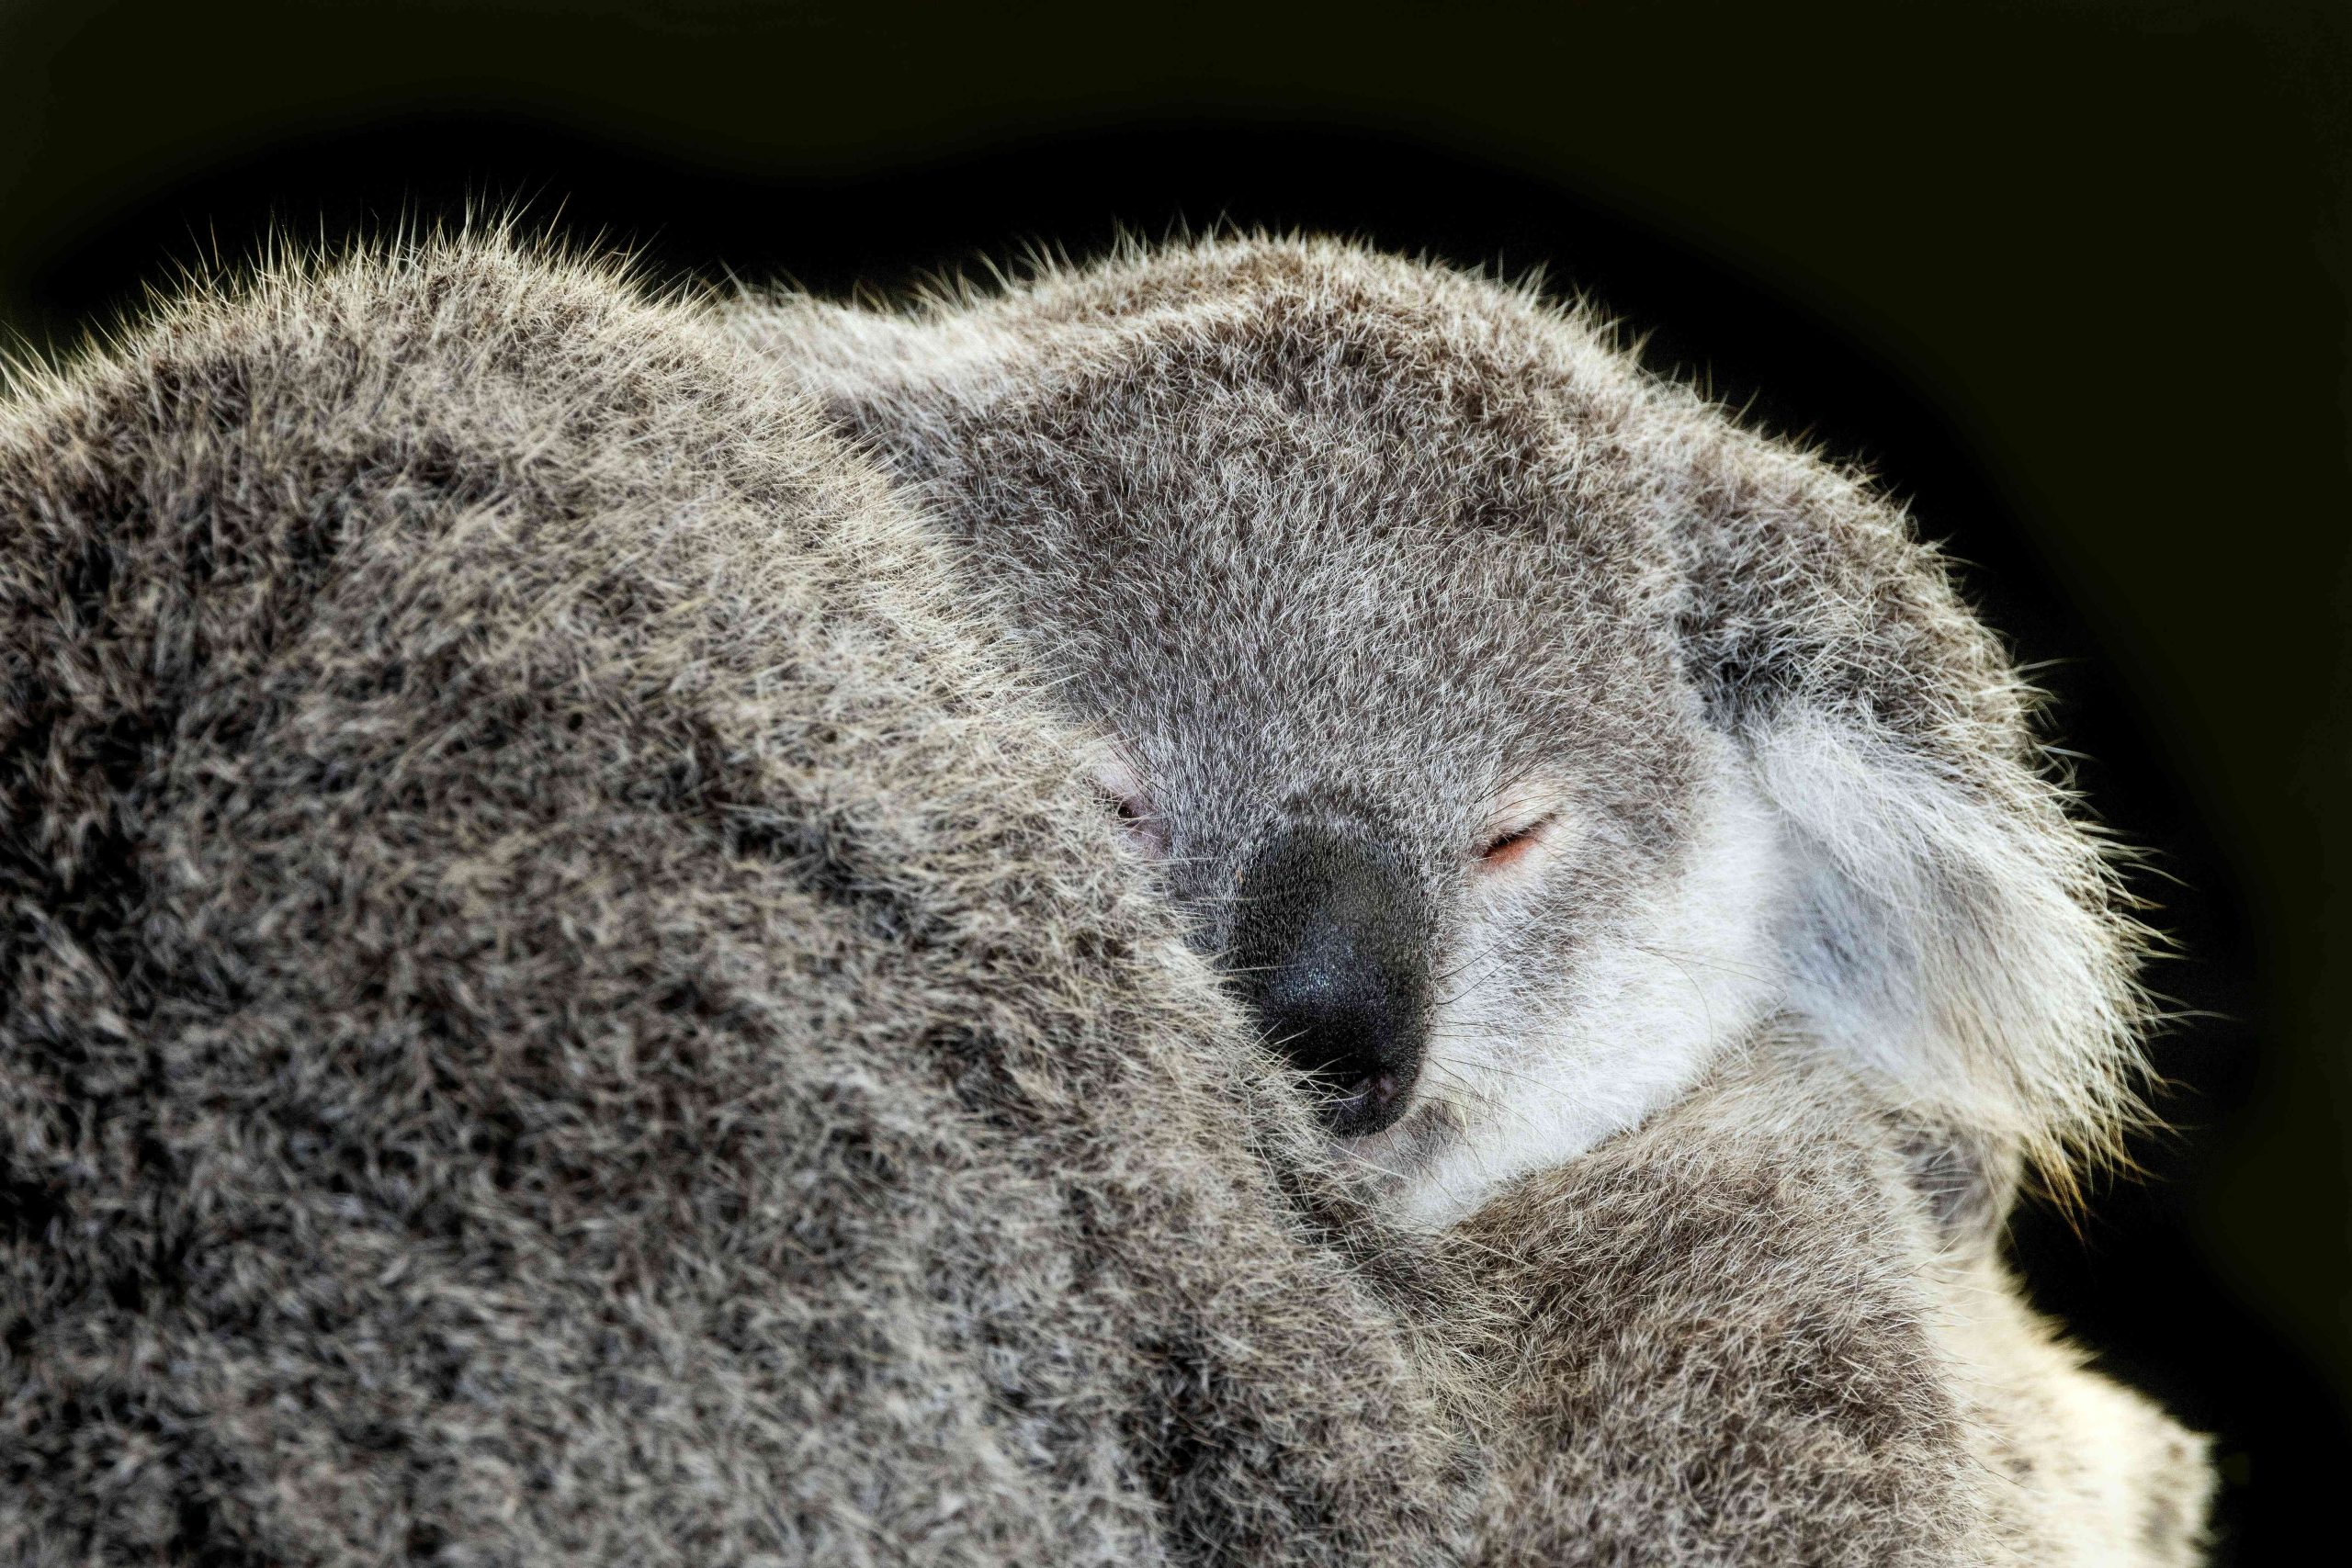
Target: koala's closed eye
1517, 833
1512, 843
1122, 791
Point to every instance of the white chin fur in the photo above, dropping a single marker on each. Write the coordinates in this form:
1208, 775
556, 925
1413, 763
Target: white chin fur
1691, 969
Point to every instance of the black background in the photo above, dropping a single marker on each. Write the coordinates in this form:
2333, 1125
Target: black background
2071, 277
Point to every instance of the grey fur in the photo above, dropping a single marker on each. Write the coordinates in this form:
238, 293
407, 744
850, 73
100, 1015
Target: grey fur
1312, 535
1316, 535
563, 1005
558, 1009
1735, 1335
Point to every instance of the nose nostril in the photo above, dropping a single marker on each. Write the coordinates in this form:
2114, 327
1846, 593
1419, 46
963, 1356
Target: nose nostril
1359, 1067
1355, 1099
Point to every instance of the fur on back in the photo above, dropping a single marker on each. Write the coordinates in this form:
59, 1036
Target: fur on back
561, 1007
558, 1010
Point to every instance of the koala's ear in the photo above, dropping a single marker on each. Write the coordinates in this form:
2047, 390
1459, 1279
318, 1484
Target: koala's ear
1950, 928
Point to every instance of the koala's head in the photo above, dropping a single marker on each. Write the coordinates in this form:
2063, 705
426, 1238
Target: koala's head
1516, 731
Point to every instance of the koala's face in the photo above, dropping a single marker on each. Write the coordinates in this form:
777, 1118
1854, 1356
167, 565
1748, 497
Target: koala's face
1448, 819
1516, 731
1407, 734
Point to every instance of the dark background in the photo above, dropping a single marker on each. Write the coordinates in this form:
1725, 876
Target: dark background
2072, 276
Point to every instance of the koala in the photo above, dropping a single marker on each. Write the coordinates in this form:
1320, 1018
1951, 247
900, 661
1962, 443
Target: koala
1642, 855
1517, 731
564, 1000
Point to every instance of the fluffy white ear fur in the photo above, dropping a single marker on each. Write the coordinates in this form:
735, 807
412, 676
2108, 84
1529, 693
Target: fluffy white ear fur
1955, 935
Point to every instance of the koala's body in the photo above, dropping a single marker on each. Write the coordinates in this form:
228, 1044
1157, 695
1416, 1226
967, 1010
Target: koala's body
559, 1006
1521, 732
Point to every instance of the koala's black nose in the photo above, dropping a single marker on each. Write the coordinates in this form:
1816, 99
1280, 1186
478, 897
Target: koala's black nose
1330, 946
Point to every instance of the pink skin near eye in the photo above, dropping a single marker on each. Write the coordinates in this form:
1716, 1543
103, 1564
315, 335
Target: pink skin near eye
1515, 831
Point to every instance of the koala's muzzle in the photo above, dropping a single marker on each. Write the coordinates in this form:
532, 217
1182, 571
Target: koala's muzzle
1330, 946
